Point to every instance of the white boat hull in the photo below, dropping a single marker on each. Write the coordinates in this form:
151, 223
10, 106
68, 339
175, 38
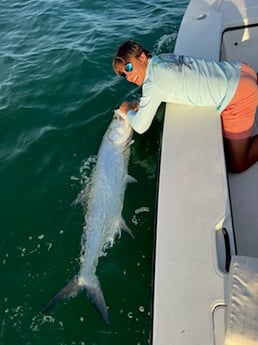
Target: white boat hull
198, 199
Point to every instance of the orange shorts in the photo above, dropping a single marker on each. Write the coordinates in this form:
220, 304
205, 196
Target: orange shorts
238, 117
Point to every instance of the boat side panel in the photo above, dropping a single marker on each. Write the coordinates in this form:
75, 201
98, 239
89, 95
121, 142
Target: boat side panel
192, 204
200, 32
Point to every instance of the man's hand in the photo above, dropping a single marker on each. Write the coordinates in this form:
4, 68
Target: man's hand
126, 106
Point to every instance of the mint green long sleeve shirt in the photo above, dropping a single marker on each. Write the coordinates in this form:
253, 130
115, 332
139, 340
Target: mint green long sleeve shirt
184, 80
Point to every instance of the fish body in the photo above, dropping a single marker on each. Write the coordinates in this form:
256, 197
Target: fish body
103, 216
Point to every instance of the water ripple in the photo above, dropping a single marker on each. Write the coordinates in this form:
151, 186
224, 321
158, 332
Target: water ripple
24, 141
57, 96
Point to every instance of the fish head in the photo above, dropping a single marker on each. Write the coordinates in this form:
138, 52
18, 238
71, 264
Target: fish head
120, 132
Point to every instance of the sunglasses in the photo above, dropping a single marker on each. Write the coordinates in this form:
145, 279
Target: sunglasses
128, 68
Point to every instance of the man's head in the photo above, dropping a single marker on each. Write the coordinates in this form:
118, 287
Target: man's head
130, 61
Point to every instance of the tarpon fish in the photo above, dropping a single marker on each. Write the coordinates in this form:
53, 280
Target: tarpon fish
103, 214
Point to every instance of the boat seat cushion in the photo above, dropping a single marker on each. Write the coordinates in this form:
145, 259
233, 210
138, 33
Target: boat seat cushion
242, 309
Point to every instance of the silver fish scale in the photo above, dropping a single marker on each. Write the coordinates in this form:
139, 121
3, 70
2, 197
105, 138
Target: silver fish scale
104, 211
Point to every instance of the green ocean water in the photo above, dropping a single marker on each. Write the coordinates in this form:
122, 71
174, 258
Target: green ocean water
57, 96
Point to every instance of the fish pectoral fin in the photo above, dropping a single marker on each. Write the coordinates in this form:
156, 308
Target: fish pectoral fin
69, 290
128, 145
96, 298
123, 226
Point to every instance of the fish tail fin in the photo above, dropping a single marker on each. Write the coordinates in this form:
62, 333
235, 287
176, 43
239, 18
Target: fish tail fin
96, 298
69, 290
